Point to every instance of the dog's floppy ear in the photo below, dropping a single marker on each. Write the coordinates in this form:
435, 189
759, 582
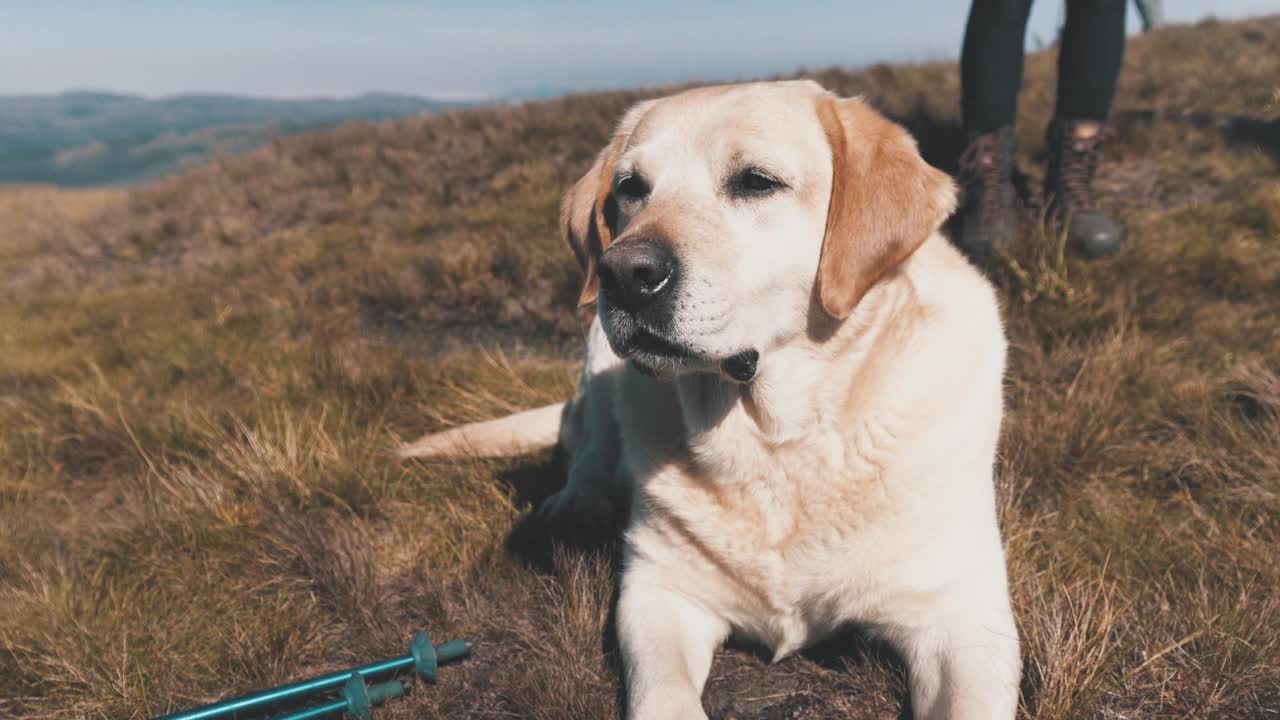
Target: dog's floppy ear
588, 213
587, 216
885, 202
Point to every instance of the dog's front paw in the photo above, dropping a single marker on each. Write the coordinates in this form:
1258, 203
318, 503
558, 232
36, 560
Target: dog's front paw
576, 513
669, 706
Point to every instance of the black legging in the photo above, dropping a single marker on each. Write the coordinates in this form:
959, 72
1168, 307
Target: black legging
1092, 48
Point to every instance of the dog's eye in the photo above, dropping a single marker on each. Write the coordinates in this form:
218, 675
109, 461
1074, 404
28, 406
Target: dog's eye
631, 187
753, 182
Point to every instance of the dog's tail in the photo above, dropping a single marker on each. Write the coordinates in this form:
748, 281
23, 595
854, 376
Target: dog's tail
517, 434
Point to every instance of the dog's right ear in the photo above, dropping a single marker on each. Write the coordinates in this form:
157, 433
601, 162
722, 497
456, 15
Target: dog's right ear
588, 213
885, 201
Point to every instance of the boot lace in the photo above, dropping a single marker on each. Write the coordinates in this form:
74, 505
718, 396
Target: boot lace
984, 168
1077, 164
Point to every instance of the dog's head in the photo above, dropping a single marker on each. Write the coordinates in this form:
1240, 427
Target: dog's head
719, 219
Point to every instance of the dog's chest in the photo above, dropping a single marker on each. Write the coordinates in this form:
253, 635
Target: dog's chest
771, 537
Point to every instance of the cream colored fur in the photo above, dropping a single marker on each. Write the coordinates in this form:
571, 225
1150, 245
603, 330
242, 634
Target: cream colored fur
850, 481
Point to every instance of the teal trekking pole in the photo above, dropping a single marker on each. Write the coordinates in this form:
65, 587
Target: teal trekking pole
356, 702
423, 658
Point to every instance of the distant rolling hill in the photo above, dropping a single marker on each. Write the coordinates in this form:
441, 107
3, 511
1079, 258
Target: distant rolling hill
95, 138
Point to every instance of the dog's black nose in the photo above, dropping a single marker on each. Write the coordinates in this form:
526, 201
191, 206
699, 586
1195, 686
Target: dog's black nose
634, 272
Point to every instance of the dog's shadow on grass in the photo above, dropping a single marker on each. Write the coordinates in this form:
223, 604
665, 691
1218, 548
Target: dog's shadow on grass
854, 648
852, 651
1239, 130
535, 540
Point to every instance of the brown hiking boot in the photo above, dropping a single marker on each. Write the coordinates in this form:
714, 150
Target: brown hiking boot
986, 222
1075, 147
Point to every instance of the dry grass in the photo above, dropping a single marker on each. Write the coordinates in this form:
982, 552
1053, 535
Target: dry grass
200, 382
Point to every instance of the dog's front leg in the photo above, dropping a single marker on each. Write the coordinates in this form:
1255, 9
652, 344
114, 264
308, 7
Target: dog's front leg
963, 666
667, 642
590, 435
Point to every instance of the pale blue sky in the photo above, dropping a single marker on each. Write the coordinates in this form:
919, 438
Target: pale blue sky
472, 49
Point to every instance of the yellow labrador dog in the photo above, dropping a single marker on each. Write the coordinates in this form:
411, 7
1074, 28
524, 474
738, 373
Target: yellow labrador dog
796, 381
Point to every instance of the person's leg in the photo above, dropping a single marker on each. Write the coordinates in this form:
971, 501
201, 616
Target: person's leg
990, 78
991, 63
1089, 62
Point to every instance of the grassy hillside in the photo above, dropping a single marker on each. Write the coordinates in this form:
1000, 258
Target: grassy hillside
200, 381
94, 138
